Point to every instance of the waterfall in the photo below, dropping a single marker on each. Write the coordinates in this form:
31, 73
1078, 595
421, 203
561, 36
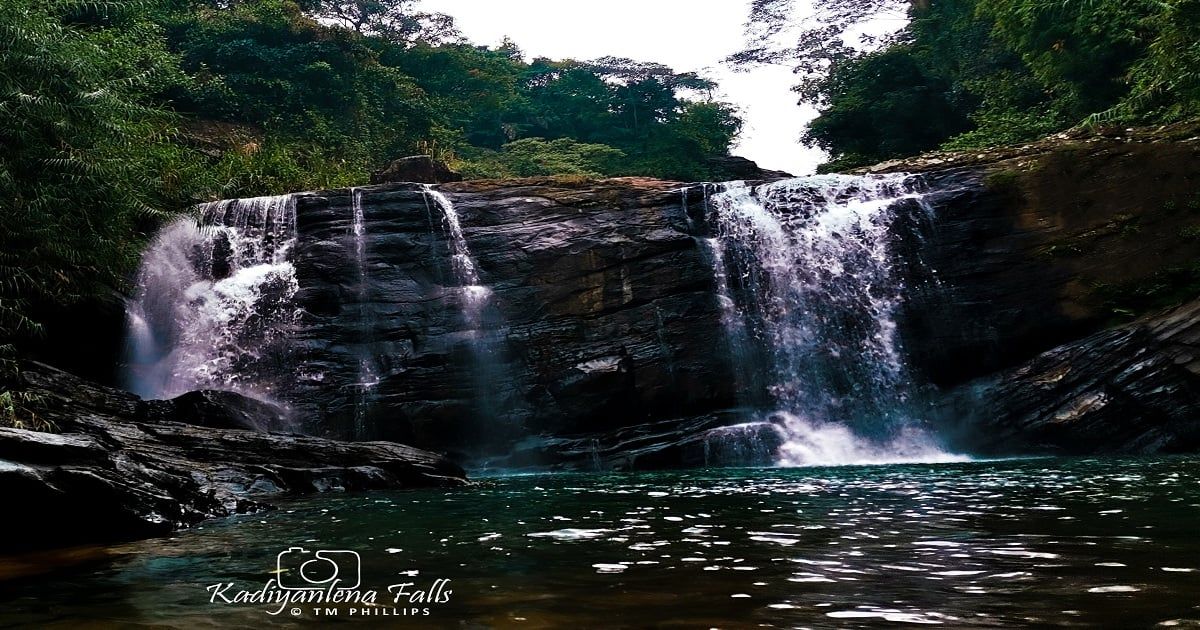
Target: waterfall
737, 337
214, 302
475, 296
809, 298
368, 376
475, 299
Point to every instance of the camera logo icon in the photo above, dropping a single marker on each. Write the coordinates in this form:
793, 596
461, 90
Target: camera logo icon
299, 569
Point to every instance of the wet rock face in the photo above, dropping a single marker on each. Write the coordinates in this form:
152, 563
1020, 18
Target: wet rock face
121, 468
600, 313
1134, 389
1033, 251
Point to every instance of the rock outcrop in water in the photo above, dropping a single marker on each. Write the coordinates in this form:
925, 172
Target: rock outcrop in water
121, 468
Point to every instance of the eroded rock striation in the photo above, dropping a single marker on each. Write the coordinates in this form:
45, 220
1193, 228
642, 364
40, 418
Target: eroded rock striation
599, 313
1134, 389
597, 316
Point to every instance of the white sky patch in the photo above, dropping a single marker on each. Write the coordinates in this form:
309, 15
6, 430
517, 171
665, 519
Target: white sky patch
687, 35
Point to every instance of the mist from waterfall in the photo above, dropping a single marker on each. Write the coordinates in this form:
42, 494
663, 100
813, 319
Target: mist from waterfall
214, 302
809, 298
475, 299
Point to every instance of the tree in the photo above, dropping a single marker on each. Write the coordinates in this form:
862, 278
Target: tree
266, 65
568, 100
82, 153
534, 156
974, 73
835, 31
397, 21
885, 105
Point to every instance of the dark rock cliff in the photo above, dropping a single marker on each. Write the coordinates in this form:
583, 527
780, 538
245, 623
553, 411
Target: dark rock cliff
1036, 250
1050, 265
601, 314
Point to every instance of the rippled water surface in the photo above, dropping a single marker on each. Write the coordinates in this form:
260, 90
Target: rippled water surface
1100, 543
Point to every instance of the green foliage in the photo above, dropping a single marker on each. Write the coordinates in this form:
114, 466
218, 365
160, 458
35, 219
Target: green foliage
267, 65
1000, 181
968, 74
17, 412
364, 96
82, 150
886, 105
683, 148
532, 157
394, 20
1167, 288
1165, 79
17, 406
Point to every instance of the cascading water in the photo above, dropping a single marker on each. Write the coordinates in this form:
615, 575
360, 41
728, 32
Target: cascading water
368, 376
214, 302
475, 300
803, 269
474, 295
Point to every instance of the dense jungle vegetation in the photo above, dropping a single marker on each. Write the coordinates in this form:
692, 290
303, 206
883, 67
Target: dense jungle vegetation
969, 74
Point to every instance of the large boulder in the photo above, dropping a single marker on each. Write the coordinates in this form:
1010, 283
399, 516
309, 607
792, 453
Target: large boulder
421, 169
733, 167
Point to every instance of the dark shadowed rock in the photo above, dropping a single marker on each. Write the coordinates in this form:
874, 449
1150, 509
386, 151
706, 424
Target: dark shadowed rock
1037, 250
421, 169
736, 167
1133, 389
220, 410
121, 469
601, 313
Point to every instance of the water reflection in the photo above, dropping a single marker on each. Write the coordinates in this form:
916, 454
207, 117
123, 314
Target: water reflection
1102, 543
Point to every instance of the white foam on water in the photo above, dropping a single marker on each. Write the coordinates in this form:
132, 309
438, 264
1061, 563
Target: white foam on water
810, 443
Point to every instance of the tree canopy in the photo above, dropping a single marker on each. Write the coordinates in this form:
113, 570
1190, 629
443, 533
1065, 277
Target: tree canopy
975, 73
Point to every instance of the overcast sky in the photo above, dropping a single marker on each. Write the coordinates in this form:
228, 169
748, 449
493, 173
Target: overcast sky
684, 34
